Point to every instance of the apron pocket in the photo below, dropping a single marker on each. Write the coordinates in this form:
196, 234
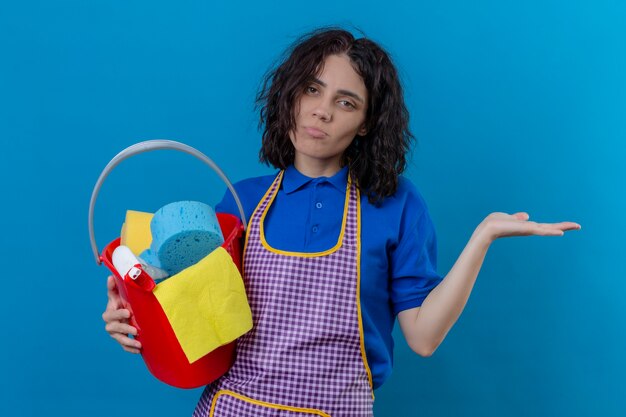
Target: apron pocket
229, 403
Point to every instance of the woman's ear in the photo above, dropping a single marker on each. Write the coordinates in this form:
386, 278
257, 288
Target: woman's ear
362, 130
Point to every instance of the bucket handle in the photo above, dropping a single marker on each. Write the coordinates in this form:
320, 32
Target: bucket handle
146, 146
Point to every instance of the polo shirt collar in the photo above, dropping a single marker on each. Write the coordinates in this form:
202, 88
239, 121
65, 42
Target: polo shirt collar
294, 179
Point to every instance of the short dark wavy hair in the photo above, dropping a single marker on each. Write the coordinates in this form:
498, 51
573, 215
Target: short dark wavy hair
375, 160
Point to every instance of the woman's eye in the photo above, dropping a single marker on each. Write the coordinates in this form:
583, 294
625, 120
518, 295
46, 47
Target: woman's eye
346, 103
311, 90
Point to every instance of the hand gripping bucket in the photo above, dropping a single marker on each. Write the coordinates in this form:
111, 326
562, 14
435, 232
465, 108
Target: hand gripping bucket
161, 349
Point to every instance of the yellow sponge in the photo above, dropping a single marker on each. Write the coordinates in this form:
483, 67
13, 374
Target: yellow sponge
136, 231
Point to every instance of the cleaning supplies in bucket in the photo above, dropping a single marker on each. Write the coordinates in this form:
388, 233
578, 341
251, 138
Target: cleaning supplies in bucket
183, 256
128, 265
136, 231
183, 233
188, 324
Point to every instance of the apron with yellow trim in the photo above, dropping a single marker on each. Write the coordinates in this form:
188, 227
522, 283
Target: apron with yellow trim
305, 354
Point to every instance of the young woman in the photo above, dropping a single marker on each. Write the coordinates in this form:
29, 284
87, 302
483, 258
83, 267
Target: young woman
338, 243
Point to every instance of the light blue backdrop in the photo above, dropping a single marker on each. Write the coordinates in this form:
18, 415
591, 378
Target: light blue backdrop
518, 106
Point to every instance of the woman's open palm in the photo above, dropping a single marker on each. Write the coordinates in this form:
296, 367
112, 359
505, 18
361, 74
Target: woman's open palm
506, 225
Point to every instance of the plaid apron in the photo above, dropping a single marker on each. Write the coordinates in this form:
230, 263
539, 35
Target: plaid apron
305, 354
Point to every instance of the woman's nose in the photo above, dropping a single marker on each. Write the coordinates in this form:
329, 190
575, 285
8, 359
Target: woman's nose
321, 111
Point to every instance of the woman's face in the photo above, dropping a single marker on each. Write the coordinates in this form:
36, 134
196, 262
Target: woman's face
330, 113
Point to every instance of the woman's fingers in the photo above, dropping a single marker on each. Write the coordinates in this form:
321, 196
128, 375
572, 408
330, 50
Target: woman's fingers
119, 327
560, 225
117, 322
504, 225
110, 315
114, 299
521, 215
543, 229
131, 350
557, 229
120, 331
116, 319
126, 342
111, 286
566, 226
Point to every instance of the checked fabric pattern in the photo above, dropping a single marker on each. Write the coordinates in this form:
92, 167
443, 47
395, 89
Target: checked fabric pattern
303, 355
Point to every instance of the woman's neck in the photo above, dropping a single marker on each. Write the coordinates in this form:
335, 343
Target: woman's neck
314, 168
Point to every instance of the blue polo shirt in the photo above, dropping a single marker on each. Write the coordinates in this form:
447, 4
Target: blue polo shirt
398, 245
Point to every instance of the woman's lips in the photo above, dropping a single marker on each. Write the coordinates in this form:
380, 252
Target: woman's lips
316, 133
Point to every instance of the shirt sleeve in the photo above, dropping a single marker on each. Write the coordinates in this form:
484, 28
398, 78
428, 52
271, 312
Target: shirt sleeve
250, 192
414, 264
227, 204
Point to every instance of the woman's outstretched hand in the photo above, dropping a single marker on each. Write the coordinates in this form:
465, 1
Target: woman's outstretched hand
425, 327
497, 225
117, 318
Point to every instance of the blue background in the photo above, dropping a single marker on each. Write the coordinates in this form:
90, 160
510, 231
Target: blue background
517, 106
